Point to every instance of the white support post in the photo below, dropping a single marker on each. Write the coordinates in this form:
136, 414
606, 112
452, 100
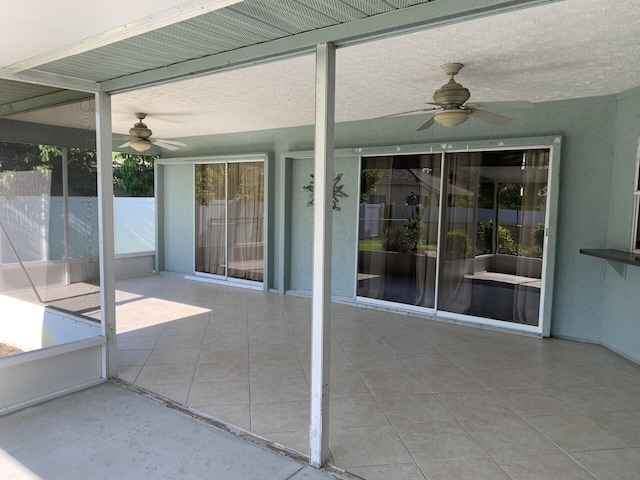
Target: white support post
322, 218
104, 150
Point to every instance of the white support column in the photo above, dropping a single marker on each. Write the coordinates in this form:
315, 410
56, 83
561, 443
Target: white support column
322, 218
105, 220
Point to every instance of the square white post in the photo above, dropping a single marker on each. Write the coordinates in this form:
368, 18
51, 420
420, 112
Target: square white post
104, 150
322, 218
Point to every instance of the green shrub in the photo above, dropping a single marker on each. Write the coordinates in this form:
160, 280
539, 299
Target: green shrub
458, 244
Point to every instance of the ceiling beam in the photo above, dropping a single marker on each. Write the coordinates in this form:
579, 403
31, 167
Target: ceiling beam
47, 100
418, 17
51, 80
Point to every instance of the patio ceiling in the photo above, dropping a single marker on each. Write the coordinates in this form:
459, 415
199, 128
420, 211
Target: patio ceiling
554, 50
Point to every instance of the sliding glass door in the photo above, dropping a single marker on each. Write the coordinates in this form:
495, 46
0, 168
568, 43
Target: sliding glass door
458, 233
493, 231
398, 229
229, 220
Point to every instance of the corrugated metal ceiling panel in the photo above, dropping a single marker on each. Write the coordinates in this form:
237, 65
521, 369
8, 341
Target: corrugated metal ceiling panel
12, 91
241, 25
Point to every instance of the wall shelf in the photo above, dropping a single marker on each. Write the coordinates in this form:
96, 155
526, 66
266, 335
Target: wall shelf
620, 256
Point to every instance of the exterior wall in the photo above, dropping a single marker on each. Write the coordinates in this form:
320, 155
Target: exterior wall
621, 307
587, 127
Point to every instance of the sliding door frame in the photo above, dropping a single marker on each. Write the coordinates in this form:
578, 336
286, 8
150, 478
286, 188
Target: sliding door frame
553, 144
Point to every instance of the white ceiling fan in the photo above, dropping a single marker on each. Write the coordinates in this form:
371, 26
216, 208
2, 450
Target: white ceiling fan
450, 108
140, 137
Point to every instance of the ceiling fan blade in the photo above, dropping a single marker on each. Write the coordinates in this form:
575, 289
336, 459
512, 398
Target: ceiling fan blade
431, 109
124, 145
490, 117
504, 104
168, 142
160, 143
430, 121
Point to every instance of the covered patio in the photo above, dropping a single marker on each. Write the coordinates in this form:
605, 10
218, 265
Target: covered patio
264, 110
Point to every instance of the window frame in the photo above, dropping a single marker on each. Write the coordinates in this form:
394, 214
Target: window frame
633, 242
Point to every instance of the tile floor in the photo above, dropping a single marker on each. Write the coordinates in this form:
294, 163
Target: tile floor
410, 398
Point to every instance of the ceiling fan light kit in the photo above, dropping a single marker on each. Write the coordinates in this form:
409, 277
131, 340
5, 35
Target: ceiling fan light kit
450, 108
451, 118
140, 145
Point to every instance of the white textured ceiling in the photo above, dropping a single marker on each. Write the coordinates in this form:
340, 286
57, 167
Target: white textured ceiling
563, 50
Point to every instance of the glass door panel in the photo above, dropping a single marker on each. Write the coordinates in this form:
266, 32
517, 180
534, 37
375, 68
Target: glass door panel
229, 219
245, 218
486, 271
211, 224
398, 228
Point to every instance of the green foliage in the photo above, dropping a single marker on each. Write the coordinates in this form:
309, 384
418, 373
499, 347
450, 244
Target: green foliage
506, 245
369, 180
210, 183
404, 239
457, 244
538, 234
484, 237
133, 174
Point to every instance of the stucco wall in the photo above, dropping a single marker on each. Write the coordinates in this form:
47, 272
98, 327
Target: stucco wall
587, 127
621, 306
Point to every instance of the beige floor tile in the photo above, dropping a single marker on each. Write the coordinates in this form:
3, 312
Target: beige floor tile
576, 433
534, 402
128, 358
554, 377
536, 467
179, 356
419, 361
363, 446
464, 469
347, 383
472, 405
279, 389
504, 435
625, 425
603, 375
279, 416
219, 393
439, 441
224, 354
125, 342
174, 342
165, 374
596, 399
622, 464
406, 471
222, 371
421, 408
503, 379
443, 378
129, 374
355, 412
393, 383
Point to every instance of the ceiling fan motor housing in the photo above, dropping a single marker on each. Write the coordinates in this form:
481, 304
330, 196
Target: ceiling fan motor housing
140, 130
451, 95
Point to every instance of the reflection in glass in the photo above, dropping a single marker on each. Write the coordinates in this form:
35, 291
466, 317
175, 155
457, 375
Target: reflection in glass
398, 228
229, 219
493, 233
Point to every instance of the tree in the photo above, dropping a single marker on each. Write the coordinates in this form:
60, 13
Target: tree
133, 174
